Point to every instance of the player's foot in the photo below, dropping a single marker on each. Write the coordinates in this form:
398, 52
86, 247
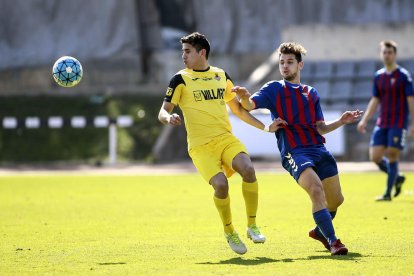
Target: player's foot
398, 184
338, 248
235, 243
253, 233
314, 235
383, 198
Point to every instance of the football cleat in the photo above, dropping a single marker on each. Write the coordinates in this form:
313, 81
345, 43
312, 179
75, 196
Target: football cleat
235, 243
398, 184
383, 198
253, 233
314, 235
338, 248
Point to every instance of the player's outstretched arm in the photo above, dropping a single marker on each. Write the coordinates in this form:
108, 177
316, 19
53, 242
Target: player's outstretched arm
165, 116
348, 117
248, 118
244, 96
371, 109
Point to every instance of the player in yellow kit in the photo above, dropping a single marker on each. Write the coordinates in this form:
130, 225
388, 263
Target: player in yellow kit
202, 92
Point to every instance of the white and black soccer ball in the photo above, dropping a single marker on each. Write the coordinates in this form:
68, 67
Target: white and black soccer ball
67, 71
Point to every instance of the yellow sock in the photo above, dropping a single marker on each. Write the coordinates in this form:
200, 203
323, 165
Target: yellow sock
251, 199
223, 207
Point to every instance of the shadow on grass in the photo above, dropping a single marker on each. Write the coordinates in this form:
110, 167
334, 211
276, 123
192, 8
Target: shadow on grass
118, 263
240, 261
265, 260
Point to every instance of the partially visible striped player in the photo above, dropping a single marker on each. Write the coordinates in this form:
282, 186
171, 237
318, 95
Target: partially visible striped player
300, 140
393, 93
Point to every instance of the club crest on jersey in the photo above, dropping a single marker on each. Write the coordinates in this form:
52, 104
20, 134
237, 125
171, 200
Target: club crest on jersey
392, 81
217, 77
169, 91
396, 139
209, 94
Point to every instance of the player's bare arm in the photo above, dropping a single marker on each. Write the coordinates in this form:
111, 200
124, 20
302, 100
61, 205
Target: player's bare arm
410, 101
244, 96
165, 116
348, 117
371, 109
238, 110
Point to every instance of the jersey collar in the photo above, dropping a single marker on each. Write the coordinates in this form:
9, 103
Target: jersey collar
293, 85
205, 70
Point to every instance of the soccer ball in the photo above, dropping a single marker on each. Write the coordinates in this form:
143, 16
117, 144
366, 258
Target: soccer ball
67, 71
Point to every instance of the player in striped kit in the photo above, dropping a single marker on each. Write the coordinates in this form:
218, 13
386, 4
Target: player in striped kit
300, 141
393, 93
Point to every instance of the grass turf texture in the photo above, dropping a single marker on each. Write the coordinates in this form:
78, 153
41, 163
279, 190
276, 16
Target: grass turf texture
168, 225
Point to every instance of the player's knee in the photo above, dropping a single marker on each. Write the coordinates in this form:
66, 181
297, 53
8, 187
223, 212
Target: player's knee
220, 185
393, 156
375, 158
339, 200
248, 173
316, 192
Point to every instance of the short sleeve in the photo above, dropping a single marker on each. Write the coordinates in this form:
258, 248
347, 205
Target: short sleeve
261, 97
408, 86
375, 89
229, 95
174, 89
318, 109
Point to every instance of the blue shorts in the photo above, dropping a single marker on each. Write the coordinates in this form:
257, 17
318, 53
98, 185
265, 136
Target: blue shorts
316, 157
389, 137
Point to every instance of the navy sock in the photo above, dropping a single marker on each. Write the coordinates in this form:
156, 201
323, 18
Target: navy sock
383, 165
392, 176
317, 231
324, 222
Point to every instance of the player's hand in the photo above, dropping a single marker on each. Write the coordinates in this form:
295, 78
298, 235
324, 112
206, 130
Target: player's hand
242, 92
351, 116
277, 124
362, 127
174, 119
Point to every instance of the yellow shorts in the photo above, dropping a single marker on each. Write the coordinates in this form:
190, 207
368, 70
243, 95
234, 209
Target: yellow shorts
216, 156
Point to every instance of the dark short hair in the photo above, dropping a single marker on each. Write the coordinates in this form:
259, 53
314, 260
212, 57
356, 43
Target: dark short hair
198, 41
292, 48
389, 44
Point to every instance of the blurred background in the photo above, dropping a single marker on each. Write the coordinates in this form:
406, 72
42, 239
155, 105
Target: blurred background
130, 49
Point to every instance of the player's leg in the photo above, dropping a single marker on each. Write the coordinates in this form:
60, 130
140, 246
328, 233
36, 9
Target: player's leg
222, 201
334, 198
395, 143
333, 194
242, 164
208, 163
377, 148
393, 158
235, 158
396, 140
377, 155
250, 188
311, 183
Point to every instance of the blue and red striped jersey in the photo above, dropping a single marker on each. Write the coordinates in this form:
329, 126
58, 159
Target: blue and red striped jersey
393, 89
299, 106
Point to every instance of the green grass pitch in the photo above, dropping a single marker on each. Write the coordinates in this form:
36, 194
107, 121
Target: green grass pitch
168, 225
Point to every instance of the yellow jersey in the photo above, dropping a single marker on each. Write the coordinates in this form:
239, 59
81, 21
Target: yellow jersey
202, 97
